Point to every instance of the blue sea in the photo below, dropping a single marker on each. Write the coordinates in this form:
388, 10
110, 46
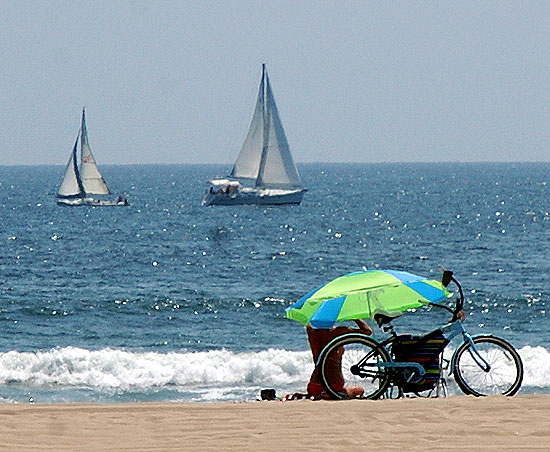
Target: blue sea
167, 300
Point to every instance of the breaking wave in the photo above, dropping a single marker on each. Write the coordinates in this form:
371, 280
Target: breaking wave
196, 376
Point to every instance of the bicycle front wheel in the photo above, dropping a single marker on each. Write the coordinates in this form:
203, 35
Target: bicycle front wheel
492, 367
350, 367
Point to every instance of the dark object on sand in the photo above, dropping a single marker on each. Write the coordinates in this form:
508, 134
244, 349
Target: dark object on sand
268, 394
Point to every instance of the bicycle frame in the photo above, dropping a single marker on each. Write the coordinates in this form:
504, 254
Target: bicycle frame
454, 329
450, 331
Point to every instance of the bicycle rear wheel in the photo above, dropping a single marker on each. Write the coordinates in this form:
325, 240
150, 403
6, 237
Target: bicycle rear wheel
358, 357
503, 376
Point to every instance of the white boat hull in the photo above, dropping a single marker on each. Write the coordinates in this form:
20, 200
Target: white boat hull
253, 196
74, 202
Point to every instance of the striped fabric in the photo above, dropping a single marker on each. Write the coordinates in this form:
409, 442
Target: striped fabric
424, 350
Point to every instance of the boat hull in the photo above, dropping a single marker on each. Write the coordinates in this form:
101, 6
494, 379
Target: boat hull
75, 202
254, 197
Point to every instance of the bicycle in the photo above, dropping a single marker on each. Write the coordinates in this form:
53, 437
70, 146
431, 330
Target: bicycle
482, 364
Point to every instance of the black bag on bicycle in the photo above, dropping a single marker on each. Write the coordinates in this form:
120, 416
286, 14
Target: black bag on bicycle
424, 350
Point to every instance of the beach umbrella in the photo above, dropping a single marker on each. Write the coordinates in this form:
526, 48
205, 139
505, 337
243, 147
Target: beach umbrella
361, 295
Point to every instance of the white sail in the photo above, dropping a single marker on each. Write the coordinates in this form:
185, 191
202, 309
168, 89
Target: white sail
92, 180
277, 168
247, 165
71, 186
265, 155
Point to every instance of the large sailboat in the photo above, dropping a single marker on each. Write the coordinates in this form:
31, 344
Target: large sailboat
83, 180
264, 172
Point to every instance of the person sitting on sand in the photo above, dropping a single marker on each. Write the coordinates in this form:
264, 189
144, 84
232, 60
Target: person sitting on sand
318, 338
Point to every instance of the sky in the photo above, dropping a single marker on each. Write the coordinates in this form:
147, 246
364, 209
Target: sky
175, 82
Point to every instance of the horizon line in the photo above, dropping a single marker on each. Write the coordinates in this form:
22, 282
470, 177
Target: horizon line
302, 163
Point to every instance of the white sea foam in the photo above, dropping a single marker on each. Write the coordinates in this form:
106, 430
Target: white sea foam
211, 375
536, 363
131, 371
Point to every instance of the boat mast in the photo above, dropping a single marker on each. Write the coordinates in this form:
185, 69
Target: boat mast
265, 126
82, 193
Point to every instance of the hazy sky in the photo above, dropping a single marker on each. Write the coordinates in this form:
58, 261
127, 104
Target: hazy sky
355, 81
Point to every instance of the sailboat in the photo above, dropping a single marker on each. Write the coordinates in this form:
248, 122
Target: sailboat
265, 162
82, 181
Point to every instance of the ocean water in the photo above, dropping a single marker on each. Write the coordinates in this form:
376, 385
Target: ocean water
166, 300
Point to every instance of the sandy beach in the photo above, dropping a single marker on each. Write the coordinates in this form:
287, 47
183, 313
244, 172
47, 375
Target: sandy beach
455, 423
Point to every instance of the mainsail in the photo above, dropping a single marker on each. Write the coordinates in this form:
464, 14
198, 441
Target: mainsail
71, 187
247, 165
265, 155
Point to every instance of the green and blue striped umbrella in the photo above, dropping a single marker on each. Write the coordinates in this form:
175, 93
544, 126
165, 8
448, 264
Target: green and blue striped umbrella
361, 295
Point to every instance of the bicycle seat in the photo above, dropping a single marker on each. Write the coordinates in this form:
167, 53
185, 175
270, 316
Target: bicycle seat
382, 317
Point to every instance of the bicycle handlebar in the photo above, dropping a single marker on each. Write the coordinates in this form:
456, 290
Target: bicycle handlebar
446, 279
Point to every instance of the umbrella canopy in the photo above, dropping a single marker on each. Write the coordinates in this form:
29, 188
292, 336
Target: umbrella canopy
361, 295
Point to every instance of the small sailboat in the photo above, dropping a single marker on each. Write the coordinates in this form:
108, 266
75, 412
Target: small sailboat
264, 161
82, 181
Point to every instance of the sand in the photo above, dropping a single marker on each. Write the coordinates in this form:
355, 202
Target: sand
454, 423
